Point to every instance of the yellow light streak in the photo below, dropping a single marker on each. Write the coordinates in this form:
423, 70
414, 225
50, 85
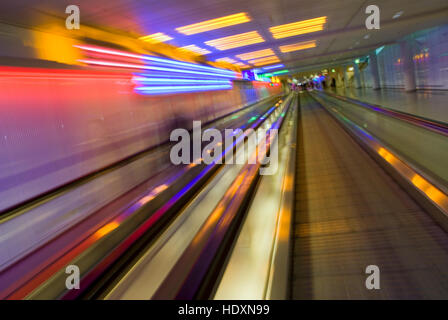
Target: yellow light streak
195, 49
235, 41
298, 46
255, 54
299, 27
156, 38
213, 24
226, 59
242, 65
264, 61
106, 229
432, 192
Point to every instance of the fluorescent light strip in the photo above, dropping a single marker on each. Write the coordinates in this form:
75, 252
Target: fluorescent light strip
169, 75
191, 66
143, 67
266, 60
228, 60
156, 59
156, 38
165, 76
238, 44
213, 24
235, 38
262, 63
179, 89
300, 27
235, 41
280, 72
145, 80
299, 24
109, 51
242, 65
397, 15
255, 54
298, 46
195, 49
297, 32
276, 66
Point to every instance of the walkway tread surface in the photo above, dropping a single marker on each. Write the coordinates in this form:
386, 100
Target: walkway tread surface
351, 214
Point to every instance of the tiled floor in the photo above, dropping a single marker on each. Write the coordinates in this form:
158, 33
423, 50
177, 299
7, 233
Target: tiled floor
351, 214
427, 104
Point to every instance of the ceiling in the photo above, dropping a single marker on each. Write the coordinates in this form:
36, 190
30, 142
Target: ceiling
344, 36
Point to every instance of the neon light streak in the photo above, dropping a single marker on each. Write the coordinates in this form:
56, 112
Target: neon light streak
276, 66
169, 75
145, 80
156, 38
280, 72
213, 24
162, 76
143, 67
156, 59
178, 89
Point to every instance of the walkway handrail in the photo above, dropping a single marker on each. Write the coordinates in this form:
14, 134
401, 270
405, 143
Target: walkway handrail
430, 124
195, 274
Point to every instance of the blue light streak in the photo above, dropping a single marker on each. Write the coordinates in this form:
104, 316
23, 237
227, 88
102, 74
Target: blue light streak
179, 89
163, 75
276, 66
145, 80
192, 66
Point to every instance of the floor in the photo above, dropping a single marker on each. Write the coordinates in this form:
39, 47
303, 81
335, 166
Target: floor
350, 214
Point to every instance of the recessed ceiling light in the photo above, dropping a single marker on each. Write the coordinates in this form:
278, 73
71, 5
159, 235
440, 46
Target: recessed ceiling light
235, 41
367, 36
276, 66
226, 59
195, 49
299, 27
213, 24
264, 61
242, 65
156, 37
298, 46
397, 15
255, 54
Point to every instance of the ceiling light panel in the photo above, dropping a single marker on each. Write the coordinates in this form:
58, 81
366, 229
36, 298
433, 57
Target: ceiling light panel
213, 24
241, 65
276, 66
397, 15
235, 41
156, 37
228, 60
297, 28
255, 54
298, 46
195, 49
264, 61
